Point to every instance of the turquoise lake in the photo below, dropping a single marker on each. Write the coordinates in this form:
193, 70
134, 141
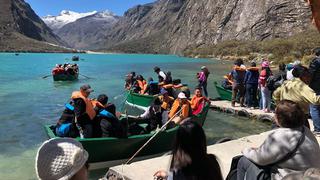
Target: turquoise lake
27, 101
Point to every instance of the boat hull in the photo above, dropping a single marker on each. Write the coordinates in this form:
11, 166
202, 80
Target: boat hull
224, 94
138, 100
65, 77
112, 149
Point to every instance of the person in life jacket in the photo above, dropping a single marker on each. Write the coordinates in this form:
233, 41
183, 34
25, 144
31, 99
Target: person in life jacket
84, 110
106, 123
238, 73
227, 82
197, 101
66, 126
141, 82
161, 75
154, 115
152, 87
180, 103
251, 82
167, 100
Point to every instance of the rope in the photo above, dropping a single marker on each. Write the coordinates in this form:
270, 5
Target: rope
153, 136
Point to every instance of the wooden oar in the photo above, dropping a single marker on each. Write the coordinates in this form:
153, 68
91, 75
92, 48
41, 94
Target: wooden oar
85, 76
46, 76
153, 136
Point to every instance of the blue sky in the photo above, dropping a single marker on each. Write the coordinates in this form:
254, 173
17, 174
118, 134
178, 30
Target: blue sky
54, 7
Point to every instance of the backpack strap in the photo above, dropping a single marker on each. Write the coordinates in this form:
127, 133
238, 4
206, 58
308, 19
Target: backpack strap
291, 154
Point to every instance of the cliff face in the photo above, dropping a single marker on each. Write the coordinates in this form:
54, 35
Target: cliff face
22, 29
174, 25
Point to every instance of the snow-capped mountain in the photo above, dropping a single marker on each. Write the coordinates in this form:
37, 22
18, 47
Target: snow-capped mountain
86, 32
65, 17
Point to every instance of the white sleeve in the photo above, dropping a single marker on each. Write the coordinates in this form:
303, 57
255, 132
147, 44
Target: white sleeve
162, 74
146, 114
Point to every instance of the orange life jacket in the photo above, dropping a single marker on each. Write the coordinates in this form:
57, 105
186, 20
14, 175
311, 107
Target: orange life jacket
239, 68
253, 69
166, 104
195, 102
142, 85
89, 107
185, 112
228, 77
167, 86
96, 103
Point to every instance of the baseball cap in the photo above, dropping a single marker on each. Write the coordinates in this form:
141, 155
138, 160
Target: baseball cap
86, 88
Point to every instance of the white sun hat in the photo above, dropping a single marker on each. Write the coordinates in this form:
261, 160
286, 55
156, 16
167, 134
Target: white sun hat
60, 159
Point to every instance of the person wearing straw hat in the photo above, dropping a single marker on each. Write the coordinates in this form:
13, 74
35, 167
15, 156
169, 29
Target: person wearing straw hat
181, 103
61, 159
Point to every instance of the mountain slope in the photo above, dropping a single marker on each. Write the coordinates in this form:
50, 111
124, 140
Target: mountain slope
22, 30
87, 32
180, 24
65, 17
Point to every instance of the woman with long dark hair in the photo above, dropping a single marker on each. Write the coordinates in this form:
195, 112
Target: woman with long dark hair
190, 160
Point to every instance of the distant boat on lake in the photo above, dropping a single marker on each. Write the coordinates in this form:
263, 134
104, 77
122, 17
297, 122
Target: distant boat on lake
75, 58
66, 72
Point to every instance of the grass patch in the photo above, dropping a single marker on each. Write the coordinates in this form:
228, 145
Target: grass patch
279, 50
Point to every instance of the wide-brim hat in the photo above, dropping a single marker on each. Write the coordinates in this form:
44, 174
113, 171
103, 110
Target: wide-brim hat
60, 158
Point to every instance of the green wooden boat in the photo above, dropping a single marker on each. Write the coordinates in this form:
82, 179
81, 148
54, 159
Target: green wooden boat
65, 77
139, 100
114, 151
224, 94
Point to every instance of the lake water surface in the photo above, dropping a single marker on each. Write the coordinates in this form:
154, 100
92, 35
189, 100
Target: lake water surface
27, 101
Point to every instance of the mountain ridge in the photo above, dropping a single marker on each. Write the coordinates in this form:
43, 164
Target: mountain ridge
22, 30
187, 23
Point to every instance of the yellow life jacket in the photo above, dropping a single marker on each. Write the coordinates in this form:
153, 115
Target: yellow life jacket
89, 107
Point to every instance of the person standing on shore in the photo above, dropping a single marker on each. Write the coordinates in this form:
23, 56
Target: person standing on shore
251, 81
314, 69
298, 90
237, 74
203, 79
265, 92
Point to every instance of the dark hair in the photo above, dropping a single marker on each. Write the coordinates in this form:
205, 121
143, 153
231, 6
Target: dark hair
150, 79
189, 156
157, 101
299, 71
289, 114
198, 87
253, 64
103, 99
156, 69
282, 67
238, 62
140, 77
316, 51
133, 73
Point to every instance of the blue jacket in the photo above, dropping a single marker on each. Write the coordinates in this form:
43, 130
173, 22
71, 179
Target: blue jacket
252, 76
238, 76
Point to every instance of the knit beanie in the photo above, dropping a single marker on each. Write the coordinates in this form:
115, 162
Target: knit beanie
60, 159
